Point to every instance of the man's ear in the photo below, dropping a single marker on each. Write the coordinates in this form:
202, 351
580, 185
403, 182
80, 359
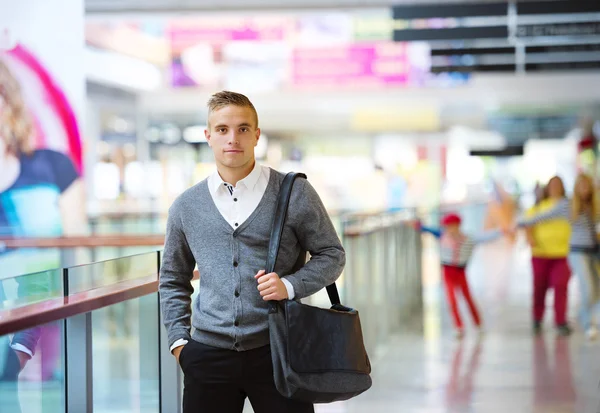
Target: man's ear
207, 136
257, 136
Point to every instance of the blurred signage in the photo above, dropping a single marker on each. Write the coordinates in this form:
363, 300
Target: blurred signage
517, 129
361, 65
186, 33
457, 33
407, 119
473, 59
509, 151
450, 22
455, 30
373, 28
450, 10
323, 28
560, 66
564, 48
557, 7
128, 40
559, 29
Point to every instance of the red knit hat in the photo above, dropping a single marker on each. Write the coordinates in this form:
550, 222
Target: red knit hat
450, 219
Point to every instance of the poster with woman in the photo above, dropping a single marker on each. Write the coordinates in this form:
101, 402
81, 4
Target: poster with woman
41, 193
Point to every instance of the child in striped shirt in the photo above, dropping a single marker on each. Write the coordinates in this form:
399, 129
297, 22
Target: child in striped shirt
455, 250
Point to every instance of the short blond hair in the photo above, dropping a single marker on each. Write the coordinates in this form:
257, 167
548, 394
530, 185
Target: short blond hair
226, 98
16, 125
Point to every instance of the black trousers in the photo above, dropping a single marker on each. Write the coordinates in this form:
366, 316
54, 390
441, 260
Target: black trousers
218, 381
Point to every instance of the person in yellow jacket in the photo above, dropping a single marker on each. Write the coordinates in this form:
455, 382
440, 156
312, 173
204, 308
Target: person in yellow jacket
549, 239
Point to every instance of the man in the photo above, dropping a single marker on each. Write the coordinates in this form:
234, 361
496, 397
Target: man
223, 225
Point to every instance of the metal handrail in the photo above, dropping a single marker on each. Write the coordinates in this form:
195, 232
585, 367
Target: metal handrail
56, 309
94, 241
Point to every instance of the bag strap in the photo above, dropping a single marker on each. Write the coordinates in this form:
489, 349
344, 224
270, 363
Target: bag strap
283, 202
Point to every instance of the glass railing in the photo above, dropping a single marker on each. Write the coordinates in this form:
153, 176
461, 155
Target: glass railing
382, 277
98, 343
100, 350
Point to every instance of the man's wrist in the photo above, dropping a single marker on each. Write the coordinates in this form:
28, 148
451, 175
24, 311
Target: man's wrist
179, 343
290, 289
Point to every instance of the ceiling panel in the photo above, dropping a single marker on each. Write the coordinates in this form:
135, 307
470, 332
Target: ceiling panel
112, 6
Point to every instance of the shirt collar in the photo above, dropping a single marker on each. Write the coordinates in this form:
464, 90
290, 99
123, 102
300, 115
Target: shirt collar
251, 180
216, 182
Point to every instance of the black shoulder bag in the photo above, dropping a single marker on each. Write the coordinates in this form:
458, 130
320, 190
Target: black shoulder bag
318, 354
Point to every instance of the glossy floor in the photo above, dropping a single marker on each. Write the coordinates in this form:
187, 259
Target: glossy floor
505, 370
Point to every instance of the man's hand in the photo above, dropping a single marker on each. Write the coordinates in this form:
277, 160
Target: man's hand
271, 287
23, 358
177, 352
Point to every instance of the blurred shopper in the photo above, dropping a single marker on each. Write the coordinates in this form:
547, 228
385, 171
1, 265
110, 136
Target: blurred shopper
456, 250
223, 224
540, 192
549, 236
582, 212
501, 210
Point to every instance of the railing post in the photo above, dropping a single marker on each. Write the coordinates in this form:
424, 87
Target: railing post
78, 363
77, 344
170, 389
419, 270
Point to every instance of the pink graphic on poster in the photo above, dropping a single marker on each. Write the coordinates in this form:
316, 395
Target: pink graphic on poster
55, 123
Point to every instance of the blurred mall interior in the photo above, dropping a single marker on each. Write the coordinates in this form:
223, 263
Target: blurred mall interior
398, 111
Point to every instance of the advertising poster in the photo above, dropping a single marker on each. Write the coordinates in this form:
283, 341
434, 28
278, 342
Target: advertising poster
40, 154
41, 195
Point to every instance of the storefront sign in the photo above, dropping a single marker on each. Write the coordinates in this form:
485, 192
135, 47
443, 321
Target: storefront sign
360, 64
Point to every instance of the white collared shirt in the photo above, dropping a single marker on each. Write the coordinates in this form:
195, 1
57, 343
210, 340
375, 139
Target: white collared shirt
237, 203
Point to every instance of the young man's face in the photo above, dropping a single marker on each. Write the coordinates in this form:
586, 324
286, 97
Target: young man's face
233, 134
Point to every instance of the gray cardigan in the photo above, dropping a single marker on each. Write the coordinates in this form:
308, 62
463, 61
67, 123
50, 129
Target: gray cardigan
229, 311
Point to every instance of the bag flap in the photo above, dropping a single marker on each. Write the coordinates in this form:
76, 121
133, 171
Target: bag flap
321, 340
